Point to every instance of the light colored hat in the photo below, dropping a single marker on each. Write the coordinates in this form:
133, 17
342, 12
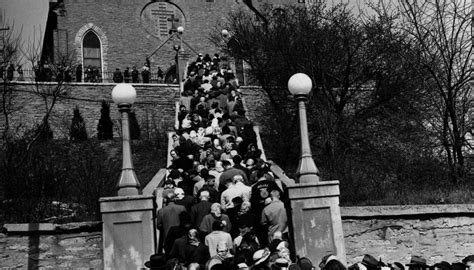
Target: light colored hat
242, 266
261, 255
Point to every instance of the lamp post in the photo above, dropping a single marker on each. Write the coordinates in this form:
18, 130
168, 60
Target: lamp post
315, 214
124, 96
180, 31
300, 85
234, 46
179, 53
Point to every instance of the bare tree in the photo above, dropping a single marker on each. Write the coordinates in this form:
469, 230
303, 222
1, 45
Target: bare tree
11, 45
50, 80
440, 36
362, 81
50, 89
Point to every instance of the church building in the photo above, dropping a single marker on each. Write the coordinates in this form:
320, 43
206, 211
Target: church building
110, 34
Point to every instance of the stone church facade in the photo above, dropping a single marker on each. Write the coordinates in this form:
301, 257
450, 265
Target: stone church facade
114, 34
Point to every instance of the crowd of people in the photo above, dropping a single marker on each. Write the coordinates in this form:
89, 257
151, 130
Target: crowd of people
222, 204
43, 71
7, 72
133, 76
223, 208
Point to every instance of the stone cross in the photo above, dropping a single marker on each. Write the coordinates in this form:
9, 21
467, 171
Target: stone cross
174, 22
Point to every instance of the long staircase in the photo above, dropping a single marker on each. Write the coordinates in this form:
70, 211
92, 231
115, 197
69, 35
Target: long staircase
155, 186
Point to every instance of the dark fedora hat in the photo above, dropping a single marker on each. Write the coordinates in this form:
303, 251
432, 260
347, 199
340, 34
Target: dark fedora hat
417, 261
158, 262
469, 258
370, 262
444, 265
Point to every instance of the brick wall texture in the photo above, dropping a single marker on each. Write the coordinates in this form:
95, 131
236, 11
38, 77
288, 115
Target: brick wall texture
436, 239
154, 107
126, 39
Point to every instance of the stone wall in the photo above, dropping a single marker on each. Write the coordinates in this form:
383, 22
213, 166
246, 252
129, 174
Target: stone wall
74, 250
440, 234
154, 107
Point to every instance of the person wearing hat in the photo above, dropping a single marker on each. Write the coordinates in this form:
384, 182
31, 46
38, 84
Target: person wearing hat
260, 259
168, 187
274, 215
330, 262
230, 172
215, 215
181, 198
443, 265
396, 266
458, 266
188, 249
158, 262
417, 263
176, 232
469, 262
190, 85
370, 262
210, 186
168, 216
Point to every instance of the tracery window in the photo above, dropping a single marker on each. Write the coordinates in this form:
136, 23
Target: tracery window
91, 50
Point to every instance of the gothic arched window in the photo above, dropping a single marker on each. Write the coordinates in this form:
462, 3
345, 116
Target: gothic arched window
91, 50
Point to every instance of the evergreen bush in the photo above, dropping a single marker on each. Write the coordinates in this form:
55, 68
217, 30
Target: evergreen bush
134, 126
44, 131
105, 126
78, 128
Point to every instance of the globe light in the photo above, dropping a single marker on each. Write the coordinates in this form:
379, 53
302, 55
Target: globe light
180, 29
124, 93
225, 33
300, 84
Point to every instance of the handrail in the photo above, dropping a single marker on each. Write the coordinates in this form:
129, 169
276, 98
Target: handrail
176, 120
256, 129
156, 182
170, 147
280, 174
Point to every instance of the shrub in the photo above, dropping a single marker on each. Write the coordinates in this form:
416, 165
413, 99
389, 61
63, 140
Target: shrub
57, 181
44, 131
105, 126
78, 128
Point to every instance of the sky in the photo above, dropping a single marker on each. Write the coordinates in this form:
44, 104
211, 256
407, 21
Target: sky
26, 18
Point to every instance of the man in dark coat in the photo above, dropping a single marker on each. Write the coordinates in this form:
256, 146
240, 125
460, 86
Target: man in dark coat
79, 73
168, 216
126, 75
188, 249
202, 208
118, 77
135, 74
229, 173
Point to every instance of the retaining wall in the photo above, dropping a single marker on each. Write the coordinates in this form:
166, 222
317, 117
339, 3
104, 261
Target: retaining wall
393, 233
154, 107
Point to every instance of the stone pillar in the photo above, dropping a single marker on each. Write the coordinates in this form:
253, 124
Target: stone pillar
316, 220
181, 65
128, 231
